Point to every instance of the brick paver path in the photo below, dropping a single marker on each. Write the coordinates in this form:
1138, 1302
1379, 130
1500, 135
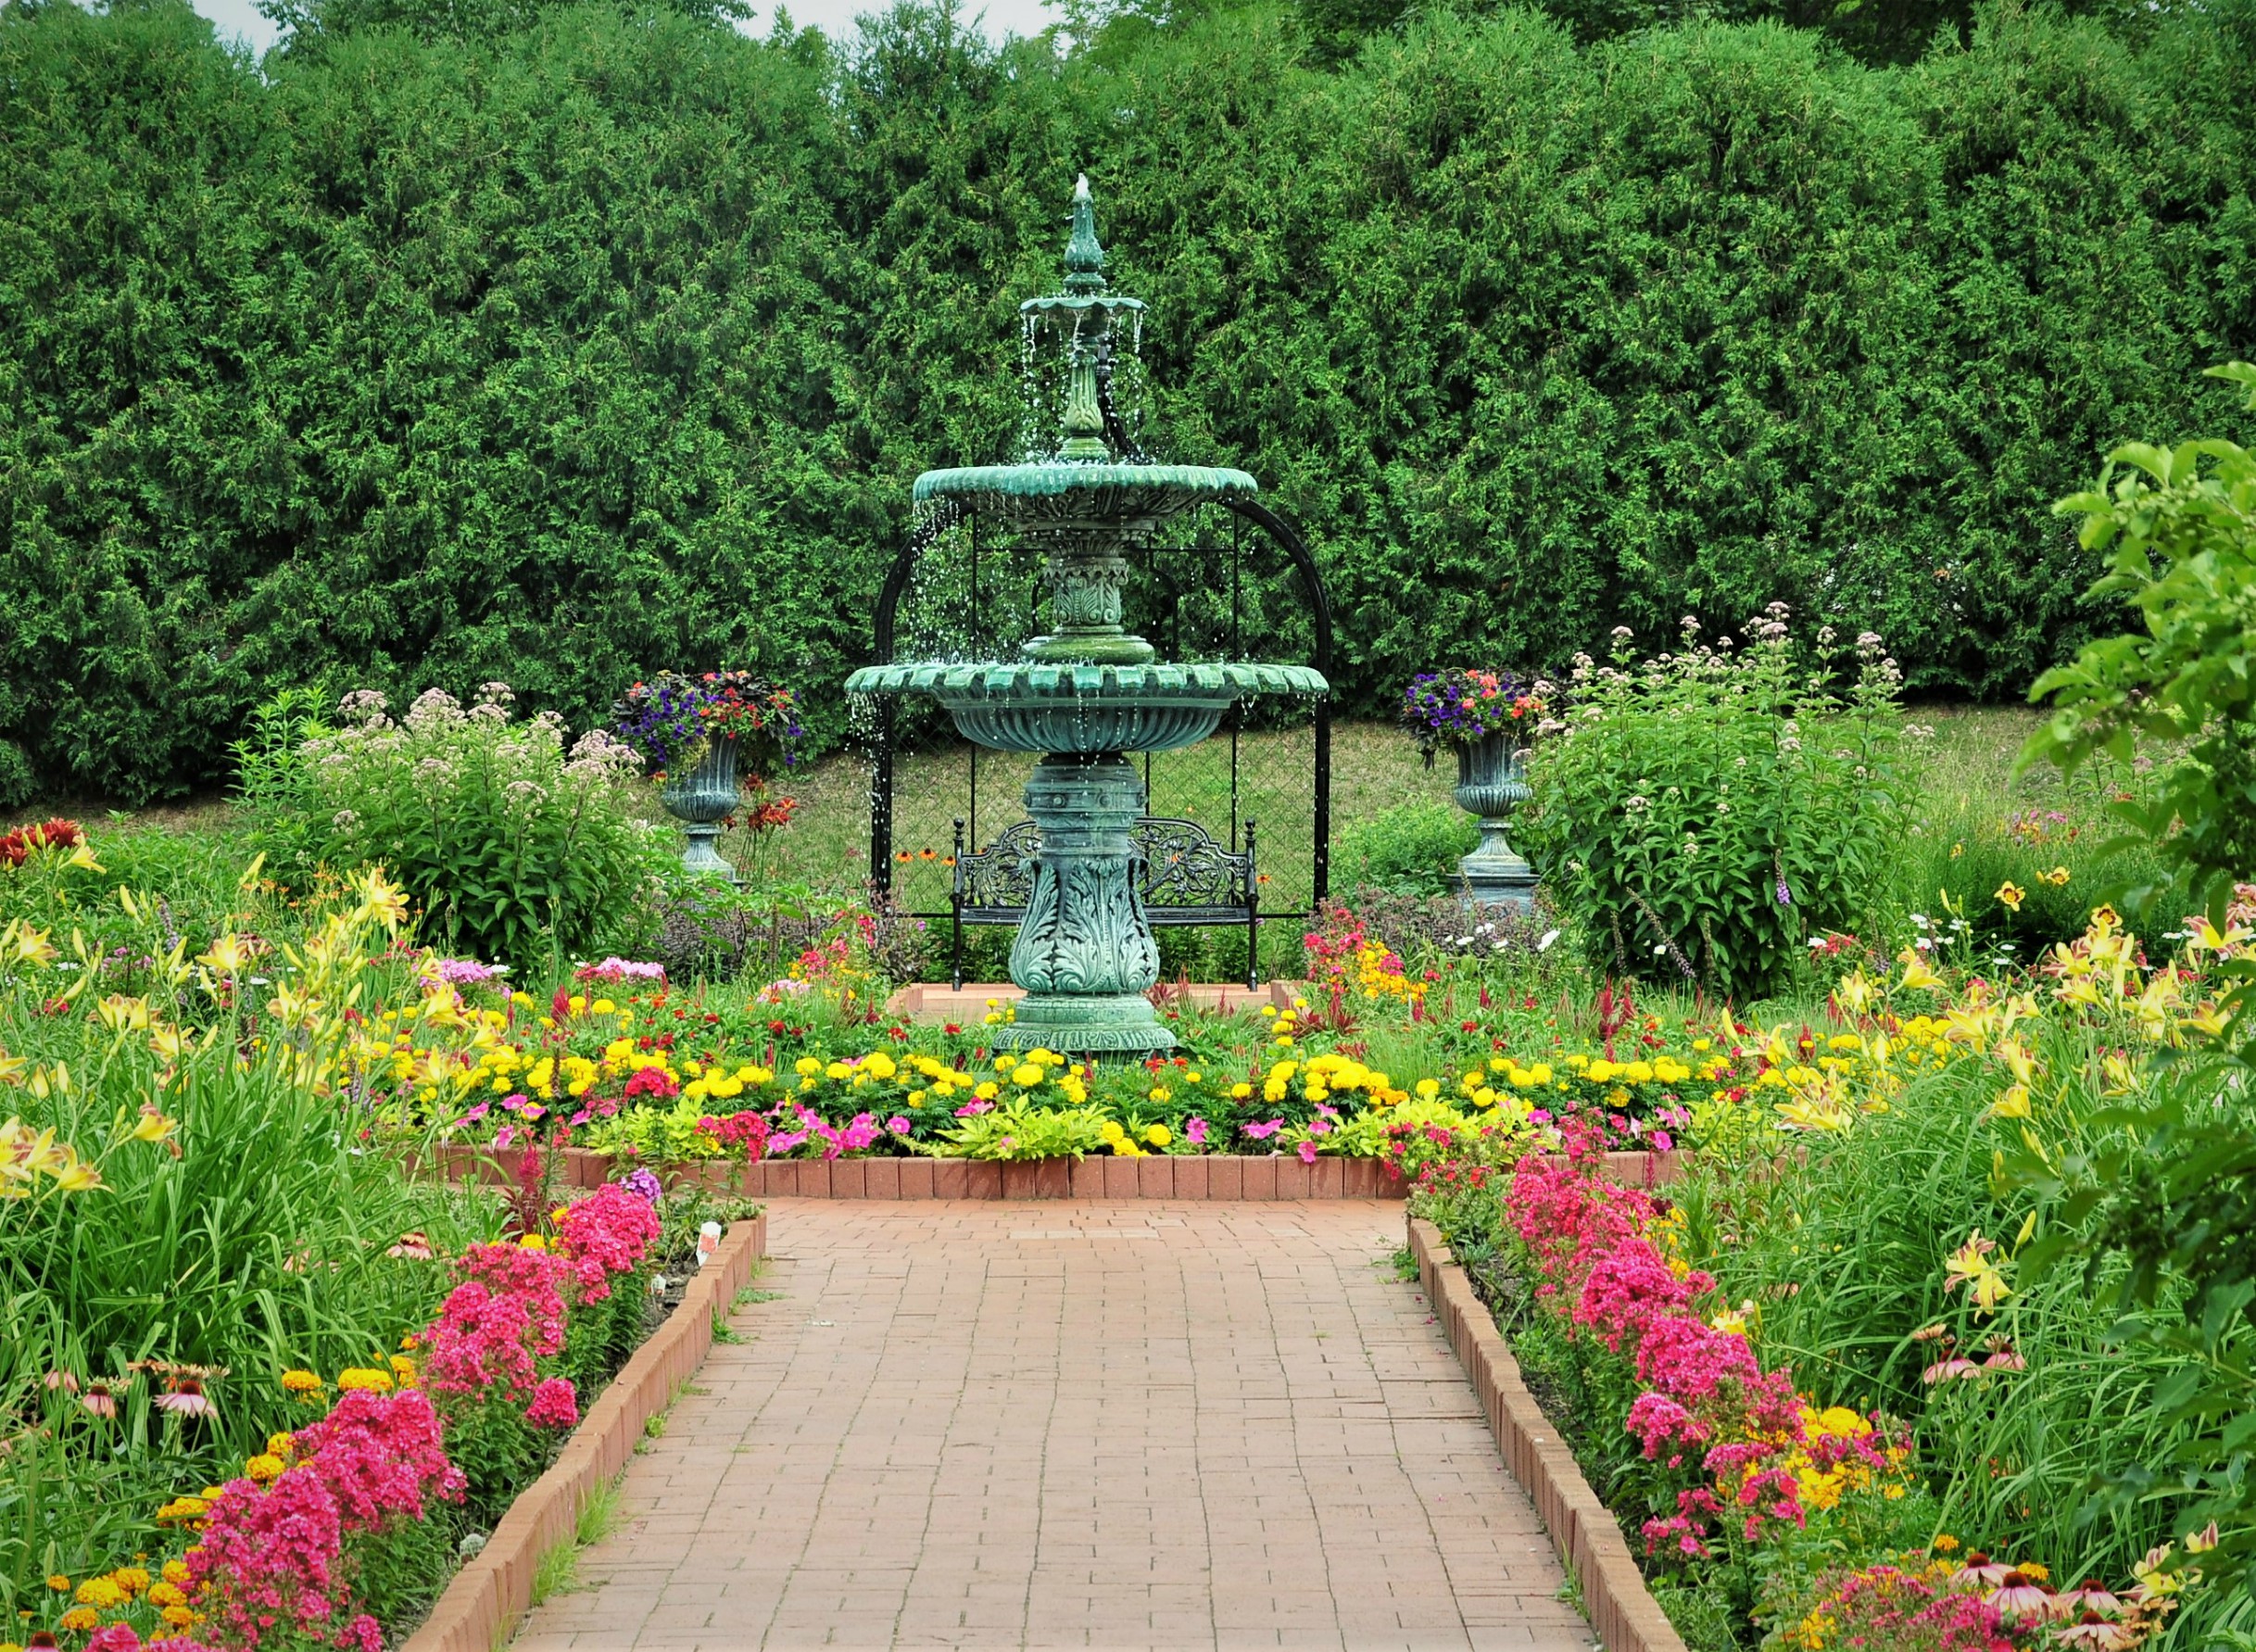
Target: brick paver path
1124, 1425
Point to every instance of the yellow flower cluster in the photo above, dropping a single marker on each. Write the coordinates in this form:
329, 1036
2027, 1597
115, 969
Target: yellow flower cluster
1154, 1137
1823, 1488
113, 1590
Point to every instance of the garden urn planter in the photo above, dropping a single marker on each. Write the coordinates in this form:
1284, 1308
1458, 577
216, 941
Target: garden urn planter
702, 796
1492, 781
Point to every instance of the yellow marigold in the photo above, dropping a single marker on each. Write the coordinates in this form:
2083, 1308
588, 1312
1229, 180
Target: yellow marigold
99, 1592
79, 1618
180, 1508
131, 1579
263, 1468
279, 1444
300, 1383
59, 1583
165, 1595
381, 1382
179, 1617
176, 1573
403, 1371
533, 1242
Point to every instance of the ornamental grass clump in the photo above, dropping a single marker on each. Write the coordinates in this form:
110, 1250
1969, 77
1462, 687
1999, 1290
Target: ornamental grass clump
1704, 816
518, 847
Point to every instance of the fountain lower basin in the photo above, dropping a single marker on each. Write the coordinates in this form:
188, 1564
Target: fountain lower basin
1067, 709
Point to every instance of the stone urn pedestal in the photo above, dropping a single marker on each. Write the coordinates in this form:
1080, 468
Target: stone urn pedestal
1492, 782
702, 796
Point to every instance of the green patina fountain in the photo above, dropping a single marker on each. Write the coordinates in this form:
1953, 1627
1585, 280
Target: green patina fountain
1088, 692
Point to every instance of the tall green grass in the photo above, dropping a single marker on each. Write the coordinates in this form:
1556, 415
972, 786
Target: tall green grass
261, 1245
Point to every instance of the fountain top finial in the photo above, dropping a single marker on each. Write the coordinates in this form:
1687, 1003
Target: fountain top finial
1084, 256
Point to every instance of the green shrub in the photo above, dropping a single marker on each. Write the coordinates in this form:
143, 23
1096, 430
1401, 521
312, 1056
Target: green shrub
17, 784
516, 849
1412, 849
1707, 814
1527, 337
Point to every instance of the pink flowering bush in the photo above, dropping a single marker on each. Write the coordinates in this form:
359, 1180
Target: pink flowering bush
294, 1563
604, 1234
554, 1406
1757, 1507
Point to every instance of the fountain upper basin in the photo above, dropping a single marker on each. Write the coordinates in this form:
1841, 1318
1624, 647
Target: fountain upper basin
1031, 497
1065, 708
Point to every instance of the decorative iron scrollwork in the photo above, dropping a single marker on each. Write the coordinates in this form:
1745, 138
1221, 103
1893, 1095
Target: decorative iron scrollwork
1178, 865
1001, 875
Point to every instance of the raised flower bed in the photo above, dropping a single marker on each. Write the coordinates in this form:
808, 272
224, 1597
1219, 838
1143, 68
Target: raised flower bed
1831, 1395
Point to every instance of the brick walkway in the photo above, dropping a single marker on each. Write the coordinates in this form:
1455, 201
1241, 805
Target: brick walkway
1119, 1425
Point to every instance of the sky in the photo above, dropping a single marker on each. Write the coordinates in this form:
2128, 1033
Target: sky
834, 18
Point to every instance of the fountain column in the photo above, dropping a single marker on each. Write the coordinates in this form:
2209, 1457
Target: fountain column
1085, 954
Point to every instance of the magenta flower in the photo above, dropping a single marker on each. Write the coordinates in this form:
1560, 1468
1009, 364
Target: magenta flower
554, 1406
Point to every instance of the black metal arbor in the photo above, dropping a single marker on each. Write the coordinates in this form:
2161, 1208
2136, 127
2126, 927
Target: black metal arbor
1250, 592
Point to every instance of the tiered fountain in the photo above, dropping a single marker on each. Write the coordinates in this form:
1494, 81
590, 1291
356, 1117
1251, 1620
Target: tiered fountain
1088, 692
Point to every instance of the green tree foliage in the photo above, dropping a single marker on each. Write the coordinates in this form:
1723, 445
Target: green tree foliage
2174, 1182
567, 343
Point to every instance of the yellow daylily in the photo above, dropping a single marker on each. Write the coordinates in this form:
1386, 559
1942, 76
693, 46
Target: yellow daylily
226, 955
1918, 977
1970, 1265
23, 944
122, 1015
2012, 1103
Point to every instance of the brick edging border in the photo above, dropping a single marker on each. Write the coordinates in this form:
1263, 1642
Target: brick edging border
483, 1604
1583, 1528
1154, 1176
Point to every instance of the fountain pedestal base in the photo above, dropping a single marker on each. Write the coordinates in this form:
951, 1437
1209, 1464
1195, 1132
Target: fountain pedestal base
1085, 953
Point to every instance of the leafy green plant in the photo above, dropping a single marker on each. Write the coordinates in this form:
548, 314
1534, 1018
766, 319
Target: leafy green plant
2172, 1187
1706, 813
655, 1135
1019, 1129
1411, 849
2181, 523
516, 849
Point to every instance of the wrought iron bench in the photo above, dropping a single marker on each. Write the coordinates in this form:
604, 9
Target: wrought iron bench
1181, 874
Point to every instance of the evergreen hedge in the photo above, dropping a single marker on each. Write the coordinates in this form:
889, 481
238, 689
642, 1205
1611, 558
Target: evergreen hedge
612, 341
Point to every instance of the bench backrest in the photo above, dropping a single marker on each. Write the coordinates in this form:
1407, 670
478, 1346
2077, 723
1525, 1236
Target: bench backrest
1183, 875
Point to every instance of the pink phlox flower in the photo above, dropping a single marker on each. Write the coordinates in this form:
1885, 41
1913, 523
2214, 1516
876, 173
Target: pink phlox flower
606, 1233
1660, 1423
555, 1404
266, 1557
380, 1455
1630, 1287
